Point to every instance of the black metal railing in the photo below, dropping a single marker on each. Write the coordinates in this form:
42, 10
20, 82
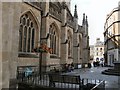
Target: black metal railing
56, 80
35, 80
93, 84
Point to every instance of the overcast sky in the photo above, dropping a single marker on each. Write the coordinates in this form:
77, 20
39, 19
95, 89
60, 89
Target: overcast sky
96, 10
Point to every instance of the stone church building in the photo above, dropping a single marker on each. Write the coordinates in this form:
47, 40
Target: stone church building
26, 25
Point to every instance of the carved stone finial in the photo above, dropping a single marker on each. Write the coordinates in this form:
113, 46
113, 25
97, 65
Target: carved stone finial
86, 21
83, 22
75, 12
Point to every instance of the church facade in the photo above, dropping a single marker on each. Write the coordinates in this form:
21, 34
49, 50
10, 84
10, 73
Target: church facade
27, 25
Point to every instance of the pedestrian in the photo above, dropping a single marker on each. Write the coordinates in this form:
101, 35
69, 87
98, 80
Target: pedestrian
55, 70
89, 65
69, 68
102, 63
94, 63
72, 66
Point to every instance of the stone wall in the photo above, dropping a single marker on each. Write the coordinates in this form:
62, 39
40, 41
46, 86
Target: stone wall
1, 45
9, 55
36, 13
9, 52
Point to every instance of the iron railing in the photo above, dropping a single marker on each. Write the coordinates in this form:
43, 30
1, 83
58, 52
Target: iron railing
68, 82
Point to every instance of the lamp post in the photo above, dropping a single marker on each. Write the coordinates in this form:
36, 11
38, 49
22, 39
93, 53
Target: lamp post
40, 50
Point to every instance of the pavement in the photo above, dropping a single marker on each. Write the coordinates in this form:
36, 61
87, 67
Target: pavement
111, 82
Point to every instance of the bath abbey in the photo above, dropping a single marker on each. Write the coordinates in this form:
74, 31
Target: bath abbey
26, 26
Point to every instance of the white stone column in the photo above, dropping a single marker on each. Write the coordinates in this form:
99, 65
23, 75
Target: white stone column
44, 33
76, 50
64, 46
64, 43
85, 50
76, 55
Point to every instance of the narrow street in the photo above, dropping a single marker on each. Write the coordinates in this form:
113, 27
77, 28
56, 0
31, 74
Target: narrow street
111, 82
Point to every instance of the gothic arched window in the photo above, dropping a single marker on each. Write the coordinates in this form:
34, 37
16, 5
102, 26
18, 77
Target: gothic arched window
69, 44
80, 45
53, 38
28, 33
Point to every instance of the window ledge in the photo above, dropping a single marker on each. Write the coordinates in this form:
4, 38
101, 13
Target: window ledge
54, 56
69, 57
27, 55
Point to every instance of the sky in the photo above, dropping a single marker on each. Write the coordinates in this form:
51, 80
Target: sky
96, 11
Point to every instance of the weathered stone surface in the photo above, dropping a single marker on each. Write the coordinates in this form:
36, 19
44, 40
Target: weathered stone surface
10, 56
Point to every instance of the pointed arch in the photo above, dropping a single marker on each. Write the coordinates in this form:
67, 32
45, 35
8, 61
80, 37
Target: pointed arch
54, 38
33, 15
56, 26
80, 45
69, 36
28, 32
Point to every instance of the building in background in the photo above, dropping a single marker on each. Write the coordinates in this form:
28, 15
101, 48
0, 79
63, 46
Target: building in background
27, 25
112, 36
97, 51
91, 52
